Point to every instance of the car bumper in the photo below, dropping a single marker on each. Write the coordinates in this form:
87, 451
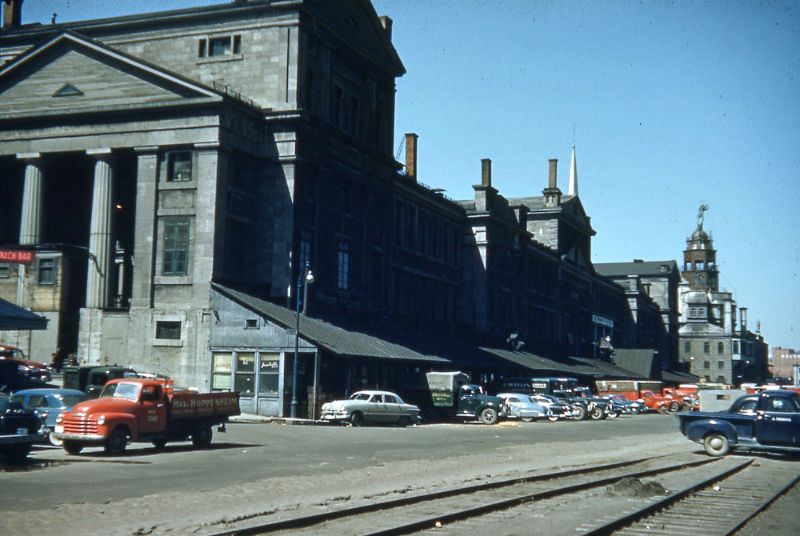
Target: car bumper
83, 438
14, 439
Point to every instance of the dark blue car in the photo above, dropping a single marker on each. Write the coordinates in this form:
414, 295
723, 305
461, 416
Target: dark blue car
767, 422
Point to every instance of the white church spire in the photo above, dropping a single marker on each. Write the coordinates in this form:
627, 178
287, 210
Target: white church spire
572, 189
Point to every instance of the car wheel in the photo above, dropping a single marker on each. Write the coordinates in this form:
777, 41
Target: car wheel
552, 418
403, 421
580, 413
159, 443
597, 413
201, 438
716, 444
117, 441
356, 418
527, 419
613, 414
488, 416
18, 453
70, 447
54, 440
674, 406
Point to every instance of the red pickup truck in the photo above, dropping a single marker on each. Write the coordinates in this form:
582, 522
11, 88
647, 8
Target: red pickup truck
140, 409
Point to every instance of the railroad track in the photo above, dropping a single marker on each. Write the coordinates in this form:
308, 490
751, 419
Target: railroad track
442, 508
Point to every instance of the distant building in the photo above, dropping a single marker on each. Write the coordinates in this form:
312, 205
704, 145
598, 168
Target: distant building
783, 361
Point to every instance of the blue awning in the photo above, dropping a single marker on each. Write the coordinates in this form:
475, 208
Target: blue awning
13, 317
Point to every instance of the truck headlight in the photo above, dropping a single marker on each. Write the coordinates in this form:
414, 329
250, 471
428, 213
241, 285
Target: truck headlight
101, 420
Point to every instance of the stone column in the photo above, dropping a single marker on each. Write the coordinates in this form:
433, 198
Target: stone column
144, 238
31, 222
100, 230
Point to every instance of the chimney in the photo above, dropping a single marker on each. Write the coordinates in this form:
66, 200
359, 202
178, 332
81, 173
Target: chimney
743, 316
486, 172
12, 14
386, 22
552, 179
552, 195
411, 155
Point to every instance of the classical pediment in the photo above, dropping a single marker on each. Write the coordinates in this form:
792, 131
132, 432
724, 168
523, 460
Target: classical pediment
74, 74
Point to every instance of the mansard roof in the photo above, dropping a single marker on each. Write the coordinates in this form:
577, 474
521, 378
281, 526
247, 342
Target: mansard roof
655, 268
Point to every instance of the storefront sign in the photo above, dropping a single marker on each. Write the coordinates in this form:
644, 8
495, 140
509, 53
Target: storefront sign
17, 256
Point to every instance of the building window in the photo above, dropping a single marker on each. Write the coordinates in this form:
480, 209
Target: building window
179, 166
46, 271
720, 347
720, 364
168, 329
735, 347
5, 270
245, 377
687, 346
720, 379
224, 45
706, 364
176, 246
221, 369
343, 272
706, 347
251, 323
268, 374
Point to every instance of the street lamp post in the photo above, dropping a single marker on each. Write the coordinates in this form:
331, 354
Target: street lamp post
305, 279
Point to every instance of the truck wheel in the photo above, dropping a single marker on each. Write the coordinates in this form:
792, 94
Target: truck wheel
117, 441
201, 438
716, 444
674, 406
70, 447
356, 418
488, 416
597, 413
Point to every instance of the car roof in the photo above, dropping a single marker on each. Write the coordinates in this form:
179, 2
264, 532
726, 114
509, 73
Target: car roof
507, 395
371, 392
48, 391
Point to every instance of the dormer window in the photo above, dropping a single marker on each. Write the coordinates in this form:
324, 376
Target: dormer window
219, 46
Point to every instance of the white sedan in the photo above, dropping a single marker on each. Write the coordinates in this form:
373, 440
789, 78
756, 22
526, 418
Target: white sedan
379, 407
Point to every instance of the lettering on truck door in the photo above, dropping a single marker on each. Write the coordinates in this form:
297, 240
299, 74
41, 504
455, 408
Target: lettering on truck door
778, 421
153, 415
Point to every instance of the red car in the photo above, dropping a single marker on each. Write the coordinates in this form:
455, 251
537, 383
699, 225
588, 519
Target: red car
31, 369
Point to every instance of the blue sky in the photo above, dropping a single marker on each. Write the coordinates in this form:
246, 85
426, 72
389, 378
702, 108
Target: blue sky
672, 104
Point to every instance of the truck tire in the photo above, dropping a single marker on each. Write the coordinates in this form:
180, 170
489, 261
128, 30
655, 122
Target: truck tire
201, 438
71, 447
117, 441
488, 416
597, 413
716, 444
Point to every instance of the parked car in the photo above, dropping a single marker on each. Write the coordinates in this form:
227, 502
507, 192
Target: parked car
520, 406
556, 408
48, 404
31, 369
622, 405
13, 377
20, 428
371, 407
766, 422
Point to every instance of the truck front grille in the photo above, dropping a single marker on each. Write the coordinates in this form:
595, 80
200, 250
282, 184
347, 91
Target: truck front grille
79, 425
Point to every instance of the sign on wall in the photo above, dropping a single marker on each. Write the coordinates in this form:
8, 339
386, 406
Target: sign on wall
19, 256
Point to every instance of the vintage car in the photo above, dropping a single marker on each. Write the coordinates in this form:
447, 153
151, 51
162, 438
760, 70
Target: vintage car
30, 369
48, 404
622, 405
520, 406
556, 408
765, 422
379, 407
19, 430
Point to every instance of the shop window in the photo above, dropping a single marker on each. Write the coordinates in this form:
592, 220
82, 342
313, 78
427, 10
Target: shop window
176, 246
168, 329
268, 374
221, 369
179, 166
5, 270
245, 376
46, 271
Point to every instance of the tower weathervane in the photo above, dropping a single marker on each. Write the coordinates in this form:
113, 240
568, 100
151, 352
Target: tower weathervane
701, 215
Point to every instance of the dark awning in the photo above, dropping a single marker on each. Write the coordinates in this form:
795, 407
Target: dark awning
13, 317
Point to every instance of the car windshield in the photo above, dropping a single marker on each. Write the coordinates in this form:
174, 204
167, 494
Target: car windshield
360, 396
70, 400
129, 391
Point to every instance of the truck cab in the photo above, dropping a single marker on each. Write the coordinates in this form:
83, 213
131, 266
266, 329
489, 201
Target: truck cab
453, 395
768, 421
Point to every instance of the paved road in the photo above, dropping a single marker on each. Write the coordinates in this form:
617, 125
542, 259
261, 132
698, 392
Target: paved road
254, 452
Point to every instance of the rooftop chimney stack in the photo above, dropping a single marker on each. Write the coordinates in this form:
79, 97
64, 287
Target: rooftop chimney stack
552, 195
411, 155
12, 14
486, 172
743, 315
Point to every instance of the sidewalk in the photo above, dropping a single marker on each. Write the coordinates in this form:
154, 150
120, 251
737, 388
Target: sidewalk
249, 418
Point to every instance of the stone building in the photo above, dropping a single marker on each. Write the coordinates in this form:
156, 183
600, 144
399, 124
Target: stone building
783, 362
174, 175
715, 343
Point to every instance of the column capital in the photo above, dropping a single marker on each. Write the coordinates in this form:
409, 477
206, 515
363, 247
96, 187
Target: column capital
207, 145
29, 156
146, 149
99, 152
